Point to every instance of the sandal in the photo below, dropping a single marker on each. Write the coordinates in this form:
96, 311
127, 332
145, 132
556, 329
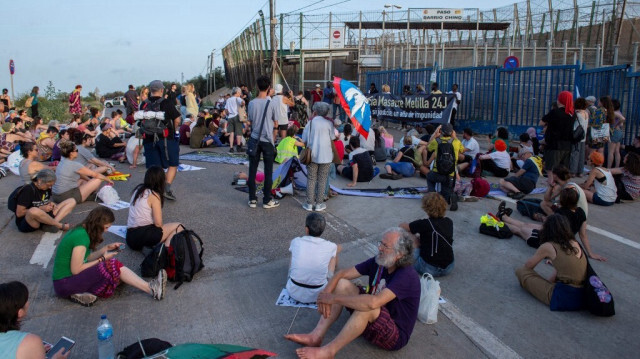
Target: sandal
501, 209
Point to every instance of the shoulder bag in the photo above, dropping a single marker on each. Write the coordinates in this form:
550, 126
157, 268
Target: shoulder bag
597, 297
252, 144
242, 114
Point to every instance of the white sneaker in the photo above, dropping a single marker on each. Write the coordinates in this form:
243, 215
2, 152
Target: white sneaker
321, 207
307, 207
159, 285
253, 203
271, 204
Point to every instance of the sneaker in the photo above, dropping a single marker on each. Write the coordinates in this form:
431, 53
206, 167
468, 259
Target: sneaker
320, 207
387, 176
158, 285
84, 299
169, 195
272, 204
232, 150
454, 202
253, 203
518, 195
307, 207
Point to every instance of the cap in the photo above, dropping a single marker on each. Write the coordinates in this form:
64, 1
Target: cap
591, 99
500, 146
156, 85
318, 85
188, 119
446, 129
278, 88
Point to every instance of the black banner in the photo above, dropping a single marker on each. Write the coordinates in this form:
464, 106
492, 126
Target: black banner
413, 108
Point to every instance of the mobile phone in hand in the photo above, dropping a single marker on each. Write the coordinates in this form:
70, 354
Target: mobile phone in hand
65, 343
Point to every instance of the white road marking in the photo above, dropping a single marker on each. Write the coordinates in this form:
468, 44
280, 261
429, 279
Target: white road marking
43, 253
487, 342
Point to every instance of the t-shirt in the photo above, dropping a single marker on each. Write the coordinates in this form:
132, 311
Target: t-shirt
84, 155
197, 135
66, 176
184, 128
404, 282
408, 153
559, 130
232, 106
10, 341
280, 110
62, 263
458, 149
105, 146
369, 143
131, 97
328, 94
576, 219
255, 113
170, 114
532, 173
31, 196
310, 258
472, 145
458, 98
502, 159
435, 250
362, 158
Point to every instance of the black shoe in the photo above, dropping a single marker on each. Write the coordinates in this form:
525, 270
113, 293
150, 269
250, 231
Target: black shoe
501, 209
518, 195
232, 150
454, 202
169, 195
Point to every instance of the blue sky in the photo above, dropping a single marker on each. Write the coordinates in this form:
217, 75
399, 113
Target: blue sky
109, 44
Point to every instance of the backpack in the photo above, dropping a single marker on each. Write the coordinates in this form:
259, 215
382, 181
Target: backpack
480, 187
154, 261
151, 121
445, 157
12, 201
184, 258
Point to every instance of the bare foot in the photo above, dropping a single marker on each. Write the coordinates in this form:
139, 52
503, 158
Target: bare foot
314, 353
304, 339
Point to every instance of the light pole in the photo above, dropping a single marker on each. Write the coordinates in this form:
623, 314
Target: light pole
392, 6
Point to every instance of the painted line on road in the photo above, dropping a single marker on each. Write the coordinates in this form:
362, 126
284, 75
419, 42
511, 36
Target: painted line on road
591, 228
485, 340
44, 251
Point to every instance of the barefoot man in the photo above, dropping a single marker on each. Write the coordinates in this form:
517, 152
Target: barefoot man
384, 312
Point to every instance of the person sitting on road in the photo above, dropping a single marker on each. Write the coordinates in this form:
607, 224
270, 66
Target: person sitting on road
501, 135
384, 312
605, 193
85, 157
63, 135
525, 146
471, 149
16, 344
561, 180
45, 143
201, 136
144, 225
70, 177
35, 210
433, 251
380, 149
627, 178
345, 136
360, 167
313, 261
109, 145
30, 165
498, 162
185, 130
568, 208
288, 146
405, 164
524, 181
563, 290
82, 272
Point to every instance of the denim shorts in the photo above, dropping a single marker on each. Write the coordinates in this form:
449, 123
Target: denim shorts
600, 202
406, 169
423, 267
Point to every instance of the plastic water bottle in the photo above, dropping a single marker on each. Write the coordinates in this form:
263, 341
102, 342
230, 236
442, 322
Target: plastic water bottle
105, 344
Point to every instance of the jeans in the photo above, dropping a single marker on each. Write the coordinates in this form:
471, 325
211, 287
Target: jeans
423, 267
268, 153
183, 111
447, 183
332, 175
406, 169
338, 109
216, 140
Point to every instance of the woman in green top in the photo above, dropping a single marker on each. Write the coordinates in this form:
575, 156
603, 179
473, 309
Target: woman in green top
82, 273
34, 102
14, 304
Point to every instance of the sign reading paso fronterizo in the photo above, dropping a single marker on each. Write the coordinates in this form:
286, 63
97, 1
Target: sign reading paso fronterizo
413, 108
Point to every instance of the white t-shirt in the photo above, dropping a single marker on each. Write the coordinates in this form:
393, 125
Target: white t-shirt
357, 151
502, 159
310, 257
370, 143
280, 110
131, 146
232, 106
458, 98
472, 145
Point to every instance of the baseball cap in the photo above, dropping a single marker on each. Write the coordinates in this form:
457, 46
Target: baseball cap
591, 99
446, 129
278, 88
156, 85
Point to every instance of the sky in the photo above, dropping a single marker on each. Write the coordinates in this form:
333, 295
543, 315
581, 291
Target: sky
111, 44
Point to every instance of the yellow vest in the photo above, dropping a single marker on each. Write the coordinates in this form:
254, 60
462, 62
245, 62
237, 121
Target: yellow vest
286, 149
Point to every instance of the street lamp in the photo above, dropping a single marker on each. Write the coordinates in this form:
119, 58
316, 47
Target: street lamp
392, 6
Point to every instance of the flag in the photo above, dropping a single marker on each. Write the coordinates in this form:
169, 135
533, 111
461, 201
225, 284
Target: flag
355, 104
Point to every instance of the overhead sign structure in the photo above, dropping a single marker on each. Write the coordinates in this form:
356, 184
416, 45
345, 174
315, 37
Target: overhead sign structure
442, 15
336, 38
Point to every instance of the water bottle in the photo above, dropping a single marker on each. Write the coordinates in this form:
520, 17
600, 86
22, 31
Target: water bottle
105, 344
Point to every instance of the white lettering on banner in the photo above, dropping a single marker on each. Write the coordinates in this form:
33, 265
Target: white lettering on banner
442, 15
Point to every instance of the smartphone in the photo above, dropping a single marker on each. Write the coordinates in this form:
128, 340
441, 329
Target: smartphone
65, 343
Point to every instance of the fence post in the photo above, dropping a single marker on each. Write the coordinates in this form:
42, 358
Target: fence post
475, 56
549, 55
635, 56
616, 49
564, 52
496, 93
535, 50
486, 49
580, 58
577, 79
597, 55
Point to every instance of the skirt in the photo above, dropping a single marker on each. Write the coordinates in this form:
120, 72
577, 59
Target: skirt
101, 280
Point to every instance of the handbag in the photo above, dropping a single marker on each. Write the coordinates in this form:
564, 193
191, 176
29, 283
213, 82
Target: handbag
493, 227
598, 299
252, 144
242, 114
578, 131
305, 154
429, 299
29, 102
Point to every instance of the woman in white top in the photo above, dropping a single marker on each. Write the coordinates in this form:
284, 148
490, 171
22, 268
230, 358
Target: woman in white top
577, 149
29, 166
313, 261
190, 100
601, 179
317, 136
144, 225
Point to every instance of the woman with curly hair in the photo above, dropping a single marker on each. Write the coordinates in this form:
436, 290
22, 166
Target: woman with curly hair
433, 251
563, 290
82, 272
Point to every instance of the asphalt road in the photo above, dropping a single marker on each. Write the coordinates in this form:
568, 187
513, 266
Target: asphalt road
246, 256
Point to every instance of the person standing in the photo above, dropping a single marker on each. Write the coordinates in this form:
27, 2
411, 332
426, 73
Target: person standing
234, 126
372, 89
318, 136
577, 150
454, 91
164, 150
75, 101
317, 95
617, 134
131, 99
172, 94
446, 148
192, 104
34, 101
261, 113
559, 122
6, 99
281, 105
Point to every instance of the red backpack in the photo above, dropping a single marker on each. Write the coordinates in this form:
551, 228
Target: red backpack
480, 187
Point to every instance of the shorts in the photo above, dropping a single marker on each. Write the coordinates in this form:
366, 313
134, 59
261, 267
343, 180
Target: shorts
534, 240
283, 127
155, 154
234, 126
616, 136
600, 202
347, 173
406, 169
384, 332
24, 226
525, 185
72, 193
145, 236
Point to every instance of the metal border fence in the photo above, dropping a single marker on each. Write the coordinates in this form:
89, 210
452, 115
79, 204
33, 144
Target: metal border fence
518, 99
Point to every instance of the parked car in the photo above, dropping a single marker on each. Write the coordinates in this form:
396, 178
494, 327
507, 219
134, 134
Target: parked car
116, 101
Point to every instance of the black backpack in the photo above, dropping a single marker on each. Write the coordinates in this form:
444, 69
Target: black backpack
445, 158
188, 259
144, 349
12, 201
153, 127
578, 131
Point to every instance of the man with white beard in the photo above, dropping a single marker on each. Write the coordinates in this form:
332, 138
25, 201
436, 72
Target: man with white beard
384, 312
